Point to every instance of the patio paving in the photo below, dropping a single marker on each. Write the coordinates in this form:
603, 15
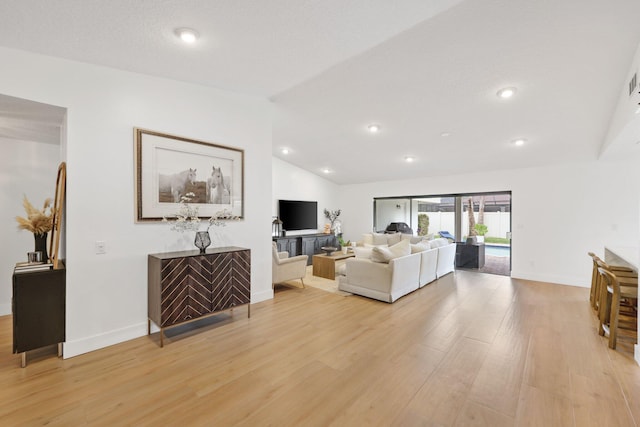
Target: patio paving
493, 265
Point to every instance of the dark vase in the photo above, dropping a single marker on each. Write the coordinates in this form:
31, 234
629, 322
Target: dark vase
202, 241
41, 245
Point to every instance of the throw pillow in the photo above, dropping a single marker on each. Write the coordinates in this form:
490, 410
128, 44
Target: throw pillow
413, 239
379, 239
367, 239
376, 246
436, 243
400, 249
384, 255
380, 254
393, 239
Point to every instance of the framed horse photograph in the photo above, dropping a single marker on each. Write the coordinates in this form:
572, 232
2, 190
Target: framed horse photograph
171, 170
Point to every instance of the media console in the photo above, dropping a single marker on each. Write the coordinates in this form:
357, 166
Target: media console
305, 244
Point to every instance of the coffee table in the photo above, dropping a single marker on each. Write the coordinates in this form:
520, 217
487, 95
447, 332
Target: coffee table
325, 265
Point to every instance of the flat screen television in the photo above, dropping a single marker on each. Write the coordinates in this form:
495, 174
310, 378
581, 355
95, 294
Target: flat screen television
298, 215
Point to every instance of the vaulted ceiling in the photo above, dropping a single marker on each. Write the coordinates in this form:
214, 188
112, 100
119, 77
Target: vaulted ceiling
426, 71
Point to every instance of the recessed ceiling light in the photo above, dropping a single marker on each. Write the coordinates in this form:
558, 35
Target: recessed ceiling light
374, 128
285, 151
507, 92
187, 35
409, 159
518, 142
326, 170
445, 134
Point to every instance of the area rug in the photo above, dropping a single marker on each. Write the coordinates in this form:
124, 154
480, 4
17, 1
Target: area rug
321, 283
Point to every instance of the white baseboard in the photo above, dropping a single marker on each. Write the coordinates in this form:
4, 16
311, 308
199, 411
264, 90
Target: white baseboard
261, 296
73, 348
549, 278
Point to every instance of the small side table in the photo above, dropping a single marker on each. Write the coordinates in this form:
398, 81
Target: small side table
38, 310
325, 265
469, 256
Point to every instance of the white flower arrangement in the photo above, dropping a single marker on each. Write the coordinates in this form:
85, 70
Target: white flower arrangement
187, 219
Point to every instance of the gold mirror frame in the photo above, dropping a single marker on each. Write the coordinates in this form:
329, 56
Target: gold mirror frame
58, 204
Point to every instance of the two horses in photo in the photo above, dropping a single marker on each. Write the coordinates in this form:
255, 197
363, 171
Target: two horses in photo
172, 187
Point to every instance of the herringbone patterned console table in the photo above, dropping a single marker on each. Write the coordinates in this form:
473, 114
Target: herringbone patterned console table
185, 286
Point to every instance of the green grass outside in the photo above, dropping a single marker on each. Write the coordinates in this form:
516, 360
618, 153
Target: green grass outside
496, 240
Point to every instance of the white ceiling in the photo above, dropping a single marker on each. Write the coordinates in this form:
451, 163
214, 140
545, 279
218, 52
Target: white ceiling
417, 67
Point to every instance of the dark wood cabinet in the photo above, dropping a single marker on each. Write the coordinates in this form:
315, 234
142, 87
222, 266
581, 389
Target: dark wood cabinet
38, 307
188, 285
306, 244
312, 245
469, 255
288, 244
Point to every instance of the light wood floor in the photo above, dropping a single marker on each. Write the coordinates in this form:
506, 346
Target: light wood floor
469, 349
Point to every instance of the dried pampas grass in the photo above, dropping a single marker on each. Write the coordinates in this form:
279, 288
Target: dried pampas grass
37, 221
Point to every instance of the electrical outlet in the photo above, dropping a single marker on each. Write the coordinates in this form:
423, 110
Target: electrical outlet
101, 247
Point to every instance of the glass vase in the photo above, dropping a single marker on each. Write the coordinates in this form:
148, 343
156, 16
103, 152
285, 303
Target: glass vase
202, 241
41, 245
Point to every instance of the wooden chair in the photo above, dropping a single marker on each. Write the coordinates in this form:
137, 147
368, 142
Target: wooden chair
613, 316
624, 274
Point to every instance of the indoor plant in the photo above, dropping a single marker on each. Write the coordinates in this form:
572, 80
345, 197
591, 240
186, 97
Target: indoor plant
332, 216
39, 222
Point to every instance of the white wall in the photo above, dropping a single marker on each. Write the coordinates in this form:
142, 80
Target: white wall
289, 182
625, 122
396, 210
559, 212
26, 168
107, 294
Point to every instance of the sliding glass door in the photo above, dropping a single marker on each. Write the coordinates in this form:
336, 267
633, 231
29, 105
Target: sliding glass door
449, 215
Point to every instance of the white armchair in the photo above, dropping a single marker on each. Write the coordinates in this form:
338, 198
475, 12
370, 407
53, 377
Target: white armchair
287, 268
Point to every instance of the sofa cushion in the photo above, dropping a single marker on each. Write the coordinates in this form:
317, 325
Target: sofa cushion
420, 247
393, 239
384, 255
412, 239
362, 252
437, 243
379, 239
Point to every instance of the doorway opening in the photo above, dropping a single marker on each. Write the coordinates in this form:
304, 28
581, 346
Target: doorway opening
479, 223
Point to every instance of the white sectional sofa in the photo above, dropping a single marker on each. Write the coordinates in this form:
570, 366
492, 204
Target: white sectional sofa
446, 256
387, 272
428, 266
